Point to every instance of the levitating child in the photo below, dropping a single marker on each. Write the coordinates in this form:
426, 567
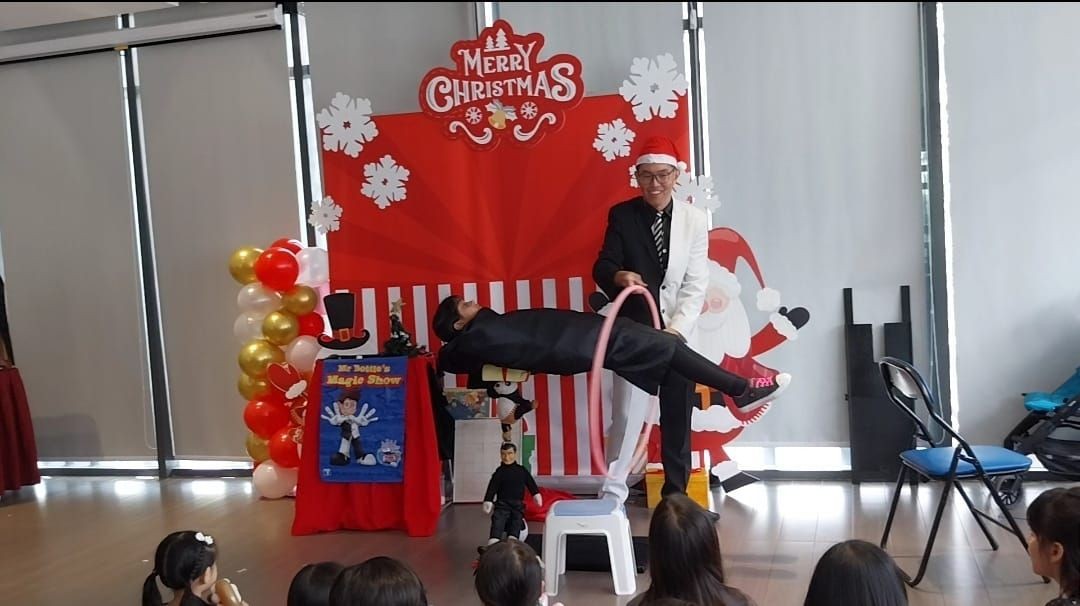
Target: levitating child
186, 563
1054, 544
311, 586
511, 574
505, 496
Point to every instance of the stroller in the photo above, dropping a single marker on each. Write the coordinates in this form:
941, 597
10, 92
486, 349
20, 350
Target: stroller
1050, 431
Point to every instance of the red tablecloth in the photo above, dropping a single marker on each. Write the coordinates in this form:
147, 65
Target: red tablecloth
326, 506
18, 453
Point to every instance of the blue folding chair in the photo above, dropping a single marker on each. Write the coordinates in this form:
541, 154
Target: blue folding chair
943, 463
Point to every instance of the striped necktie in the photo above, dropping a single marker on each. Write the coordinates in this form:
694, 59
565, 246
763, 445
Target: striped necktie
658, 238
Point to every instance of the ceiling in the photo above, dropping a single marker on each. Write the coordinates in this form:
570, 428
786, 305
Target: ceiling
16, 15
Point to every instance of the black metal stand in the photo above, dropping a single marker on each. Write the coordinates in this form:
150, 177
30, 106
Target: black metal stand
879, 432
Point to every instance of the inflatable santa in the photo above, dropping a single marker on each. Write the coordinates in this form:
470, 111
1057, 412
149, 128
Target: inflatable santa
725, 337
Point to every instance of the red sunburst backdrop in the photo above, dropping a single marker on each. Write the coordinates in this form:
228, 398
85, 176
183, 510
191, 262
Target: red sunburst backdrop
513, 212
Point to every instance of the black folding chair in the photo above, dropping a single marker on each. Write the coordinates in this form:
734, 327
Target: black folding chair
943, 463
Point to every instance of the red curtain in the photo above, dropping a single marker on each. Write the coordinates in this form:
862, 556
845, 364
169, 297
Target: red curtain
18, 452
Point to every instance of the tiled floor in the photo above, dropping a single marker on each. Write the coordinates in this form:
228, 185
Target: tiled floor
80, 540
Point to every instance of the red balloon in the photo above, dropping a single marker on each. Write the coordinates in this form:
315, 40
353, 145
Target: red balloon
283, 450
289, 244
312, 324
265, 417
277, 268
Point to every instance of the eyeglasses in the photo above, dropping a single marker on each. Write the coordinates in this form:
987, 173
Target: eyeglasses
663, 177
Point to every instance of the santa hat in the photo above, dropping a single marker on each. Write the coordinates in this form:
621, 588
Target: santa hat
726, 248
658, 150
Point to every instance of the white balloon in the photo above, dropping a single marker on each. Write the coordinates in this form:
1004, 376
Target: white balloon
302, 353
255, 298
248, 326
314, 266
273, 482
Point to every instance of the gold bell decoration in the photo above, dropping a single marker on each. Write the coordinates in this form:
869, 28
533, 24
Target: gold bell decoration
500, 114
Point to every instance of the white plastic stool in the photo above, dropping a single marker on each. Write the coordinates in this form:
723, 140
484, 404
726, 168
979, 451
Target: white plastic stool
589, 517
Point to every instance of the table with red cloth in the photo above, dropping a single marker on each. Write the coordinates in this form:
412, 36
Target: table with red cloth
18, 452
412, 505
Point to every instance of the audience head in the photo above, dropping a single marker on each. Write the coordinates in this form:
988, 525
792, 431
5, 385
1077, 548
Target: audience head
186, 562
684, 555
381, 580
1054, 544
856, 572
311, 586
509, 574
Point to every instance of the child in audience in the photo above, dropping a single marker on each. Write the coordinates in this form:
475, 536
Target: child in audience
510, 574
380, 580
684, 557
1054, 544
856, 572
311, 586
186, 563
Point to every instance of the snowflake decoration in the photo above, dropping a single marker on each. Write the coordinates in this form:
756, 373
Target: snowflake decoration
613, 140
473, 115
325, 215
385, 181
698, 192
529, 110
654, 87
347, 125
633, 177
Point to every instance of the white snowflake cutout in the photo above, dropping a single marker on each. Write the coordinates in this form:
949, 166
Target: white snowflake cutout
654, 87
529, 110
698, 192
613, 139
385, 181
633, 177
347, 125
325, 215
473, 115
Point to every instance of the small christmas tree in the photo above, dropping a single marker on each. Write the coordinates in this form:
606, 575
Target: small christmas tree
400, 342
500, 40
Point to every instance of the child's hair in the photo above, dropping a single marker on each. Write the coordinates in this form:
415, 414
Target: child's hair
684, 555
509, 574
446, 314
508, 446
311, 586
1054, 517
856, 572
181, 557
380, 580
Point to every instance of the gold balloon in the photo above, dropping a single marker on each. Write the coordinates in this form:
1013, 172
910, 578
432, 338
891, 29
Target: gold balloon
257, 355
242, 264
257, 448
281, 327
300, 300
252, 388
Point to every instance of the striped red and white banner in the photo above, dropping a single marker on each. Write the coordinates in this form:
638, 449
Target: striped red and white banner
561, 419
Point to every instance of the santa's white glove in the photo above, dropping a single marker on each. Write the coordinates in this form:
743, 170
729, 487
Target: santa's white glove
488, 506
539, 500
366, 416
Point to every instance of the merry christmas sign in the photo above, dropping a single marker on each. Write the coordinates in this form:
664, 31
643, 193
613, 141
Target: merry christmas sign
500, 86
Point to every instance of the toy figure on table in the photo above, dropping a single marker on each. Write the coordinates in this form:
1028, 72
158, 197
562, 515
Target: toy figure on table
504, 499
400, 342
